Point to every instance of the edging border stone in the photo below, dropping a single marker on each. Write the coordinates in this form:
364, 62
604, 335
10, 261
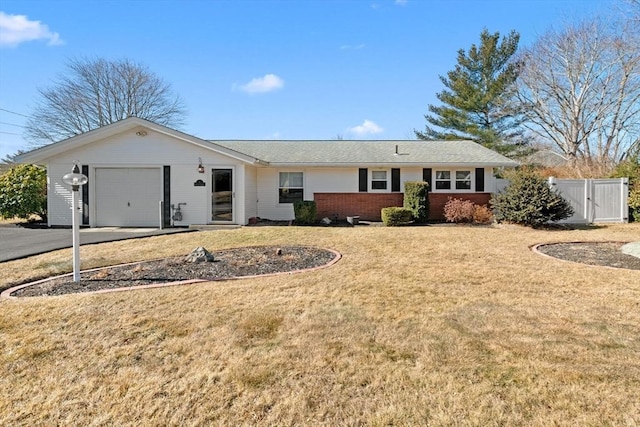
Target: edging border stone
6, 294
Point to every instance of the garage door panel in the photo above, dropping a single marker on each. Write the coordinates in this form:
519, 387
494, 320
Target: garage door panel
128, 197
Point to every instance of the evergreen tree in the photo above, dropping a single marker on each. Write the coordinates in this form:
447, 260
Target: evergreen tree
23, 192
529, 200
478, 99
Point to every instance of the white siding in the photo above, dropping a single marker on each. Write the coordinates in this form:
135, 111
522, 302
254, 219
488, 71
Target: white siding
250, 193
183, 190
409, 175
316, 180
153, 150
268, 206
59, 195
330, 180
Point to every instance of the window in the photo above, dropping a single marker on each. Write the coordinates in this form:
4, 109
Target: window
378, 180
463, 180
453, 180
443, 180
291, 187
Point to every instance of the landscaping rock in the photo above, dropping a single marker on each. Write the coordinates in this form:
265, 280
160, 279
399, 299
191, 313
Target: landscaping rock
199, 254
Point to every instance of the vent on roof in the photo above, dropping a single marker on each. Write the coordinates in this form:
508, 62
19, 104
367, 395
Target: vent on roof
398, 153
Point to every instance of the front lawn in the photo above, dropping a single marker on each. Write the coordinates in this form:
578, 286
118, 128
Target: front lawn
439, 325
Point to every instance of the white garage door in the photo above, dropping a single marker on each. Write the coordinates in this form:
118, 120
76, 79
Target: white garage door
128, 197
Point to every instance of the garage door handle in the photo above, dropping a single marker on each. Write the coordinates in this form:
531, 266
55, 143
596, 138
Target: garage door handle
128, 204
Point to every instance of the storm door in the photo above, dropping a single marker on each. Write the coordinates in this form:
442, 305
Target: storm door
222, 195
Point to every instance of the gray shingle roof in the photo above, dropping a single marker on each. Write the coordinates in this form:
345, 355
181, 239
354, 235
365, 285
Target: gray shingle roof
364, 152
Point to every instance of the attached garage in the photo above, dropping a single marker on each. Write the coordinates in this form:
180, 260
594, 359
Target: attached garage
128, 197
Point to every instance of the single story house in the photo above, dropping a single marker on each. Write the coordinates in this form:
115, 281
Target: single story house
142, 174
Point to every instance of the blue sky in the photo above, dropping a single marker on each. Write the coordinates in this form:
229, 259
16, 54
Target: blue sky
263, 69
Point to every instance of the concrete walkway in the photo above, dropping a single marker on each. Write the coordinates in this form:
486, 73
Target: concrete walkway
20, 242
632, 249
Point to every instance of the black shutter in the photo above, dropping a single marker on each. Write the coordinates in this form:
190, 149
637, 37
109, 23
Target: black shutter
479, 179
395, 180
363, 176
166, 183
426, 177
85, 197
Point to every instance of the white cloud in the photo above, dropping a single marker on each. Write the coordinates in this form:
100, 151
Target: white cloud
268, 83
401, 2
366, 128
16, 29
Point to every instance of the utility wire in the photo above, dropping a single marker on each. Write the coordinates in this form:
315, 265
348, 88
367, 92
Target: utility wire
9, 133
13, 112
11, 124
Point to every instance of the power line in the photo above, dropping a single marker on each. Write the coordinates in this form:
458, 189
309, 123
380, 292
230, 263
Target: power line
9, 133
13, 112
11, 124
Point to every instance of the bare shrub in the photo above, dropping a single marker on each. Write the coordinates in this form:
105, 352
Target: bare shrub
482, 214
459, 210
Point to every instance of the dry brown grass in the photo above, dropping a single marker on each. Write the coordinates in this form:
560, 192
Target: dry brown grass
414, 326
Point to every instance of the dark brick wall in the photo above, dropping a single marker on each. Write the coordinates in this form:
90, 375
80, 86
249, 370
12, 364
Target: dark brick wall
438, 200
366, 205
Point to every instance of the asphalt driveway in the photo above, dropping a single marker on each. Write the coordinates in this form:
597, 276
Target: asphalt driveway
20, 242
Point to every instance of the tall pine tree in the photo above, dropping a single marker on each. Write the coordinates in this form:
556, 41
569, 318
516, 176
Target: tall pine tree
478, 102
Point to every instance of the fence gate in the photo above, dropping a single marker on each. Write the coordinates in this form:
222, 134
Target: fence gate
594, 200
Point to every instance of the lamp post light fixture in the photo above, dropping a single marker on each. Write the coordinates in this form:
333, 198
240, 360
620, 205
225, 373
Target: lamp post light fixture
75, 179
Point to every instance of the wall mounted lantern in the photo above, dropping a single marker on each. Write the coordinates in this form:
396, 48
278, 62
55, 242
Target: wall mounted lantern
200, 167
75, 179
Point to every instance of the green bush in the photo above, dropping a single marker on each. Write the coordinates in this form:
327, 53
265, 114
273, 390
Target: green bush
528, 200
630, 168
23, 192
416, 199
305, 212
394, 216
634, 203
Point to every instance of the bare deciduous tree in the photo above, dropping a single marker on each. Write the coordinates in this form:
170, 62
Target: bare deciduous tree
581, 88
94, 93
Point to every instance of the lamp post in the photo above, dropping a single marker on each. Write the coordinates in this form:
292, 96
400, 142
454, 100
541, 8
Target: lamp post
75, 179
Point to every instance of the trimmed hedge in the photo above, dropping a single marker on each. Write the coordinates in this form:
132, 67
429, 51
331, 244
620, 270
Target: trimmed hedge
305, 212
416, 199
394, 216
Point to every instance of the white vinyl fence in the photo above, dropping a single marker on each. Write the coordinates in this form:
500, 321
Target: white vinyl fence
593, 200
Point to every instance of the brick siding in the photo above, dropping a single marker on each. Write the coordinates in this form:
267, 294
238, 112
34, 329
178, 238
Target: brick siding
365, 205
438, 200
368, 205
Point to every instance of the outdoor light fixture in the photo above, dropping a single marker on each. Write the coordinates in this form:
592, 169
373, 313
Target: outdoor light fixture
75, 179
200, 167
141, 133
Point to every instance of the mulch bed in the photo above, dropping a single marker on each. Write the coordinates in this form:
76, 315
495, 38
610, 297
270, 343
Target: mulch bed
607, 254
229, 263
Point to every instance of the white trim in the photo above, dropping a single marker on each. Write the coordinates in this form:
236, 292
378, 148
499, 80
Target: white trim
132, 124
278, 185
452, 180
234, 209
387, 180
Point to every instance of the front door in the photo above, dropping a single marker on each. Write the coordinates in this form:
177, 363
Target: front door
222, 195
